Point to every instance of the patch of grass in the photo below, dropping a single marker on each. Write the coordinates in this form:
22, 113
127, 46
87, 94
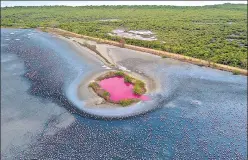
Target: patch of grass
99, 91
126, 102
94, 85
163, 56
140, 83
137, 90
106, 94
127, 79
119, 73
139, 87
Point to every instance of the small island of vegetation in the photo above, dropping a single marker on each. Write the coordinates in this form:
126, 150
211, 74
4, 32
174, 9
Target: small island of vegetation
138, 88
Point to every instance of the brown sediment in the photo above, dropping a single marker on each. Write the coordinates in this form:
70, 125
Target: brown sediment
188, 59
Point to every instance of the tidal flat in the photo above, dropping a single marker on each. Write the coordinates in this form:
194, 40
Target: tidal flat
195, 112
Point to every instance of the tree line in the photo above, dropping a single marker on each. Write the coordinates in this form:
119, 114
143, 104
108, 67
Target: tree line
215, 33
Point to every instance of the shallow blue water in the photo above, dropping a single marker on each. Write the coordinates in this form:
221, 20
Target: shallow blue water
201, 113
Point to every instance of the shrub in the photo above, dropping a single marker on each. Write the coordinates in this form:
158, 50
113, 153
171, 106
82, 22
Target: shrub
94, 85
119, 73
137, 90
106, 94
140, 83
126, 102
127, 79
163, 56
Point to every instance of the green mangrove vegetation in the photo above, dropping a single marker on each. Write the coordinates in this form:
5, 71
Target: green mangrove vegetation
216, 33
127, 102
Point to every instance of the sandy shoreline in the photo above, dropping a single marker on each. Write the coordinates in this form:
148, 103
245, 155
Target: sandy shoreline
182, 58
154, 52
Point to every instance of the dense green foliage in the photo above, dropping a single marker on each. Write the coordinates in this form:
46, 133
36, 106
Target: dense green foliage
126, 102
215, 33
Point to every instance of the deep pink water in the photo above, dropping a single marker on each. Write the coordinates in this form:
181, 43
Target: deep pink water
119, 89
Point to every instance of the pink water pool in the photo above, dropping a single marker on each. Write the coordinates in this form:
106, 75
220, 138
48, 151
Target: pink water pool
119, 89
